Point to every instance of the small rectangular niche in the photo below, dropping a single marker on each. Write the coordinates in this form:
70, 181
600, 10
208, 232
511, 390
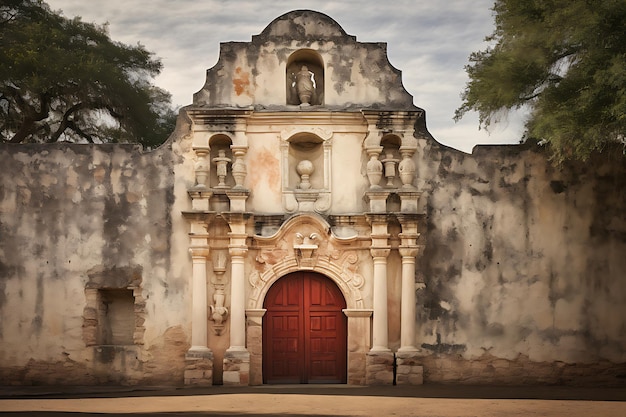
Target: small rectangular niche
115, 316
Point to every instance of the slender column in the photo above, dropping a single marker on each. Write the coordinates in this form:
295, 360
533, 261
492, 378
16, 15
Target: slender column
407, 318
380, 332
237, 300
238, 250
379, 251
408, 250
199, 300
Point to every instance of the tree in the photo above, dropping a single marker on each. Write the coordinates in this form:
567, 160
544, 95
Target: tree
64, 79
565, 61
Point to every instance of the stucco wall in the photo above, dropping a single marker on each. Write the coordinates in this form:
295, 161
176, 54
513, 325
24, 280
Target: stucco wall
523, 262
88, 216
522, 266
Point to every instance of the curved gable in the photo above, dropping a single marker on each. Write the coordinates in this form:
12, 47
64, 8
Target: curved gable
262, 74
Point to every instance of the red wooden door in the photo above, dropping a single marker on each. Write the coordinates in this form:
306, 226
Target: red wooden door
304, 331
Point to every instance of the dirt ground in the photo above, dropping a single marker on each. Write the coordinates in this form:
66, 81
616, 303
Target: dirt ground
443, 401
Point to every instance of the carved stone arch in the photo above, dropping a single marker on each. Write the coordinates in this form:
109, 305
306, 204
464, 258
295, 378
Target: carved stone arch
305, 78
351, 293
306, 243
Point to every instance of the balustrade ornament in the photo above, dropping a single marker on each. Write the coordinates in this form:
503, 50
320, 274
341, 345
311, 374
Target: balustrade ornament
202, 167
374, 167
390, 168
239, 166
221, 164
407, 167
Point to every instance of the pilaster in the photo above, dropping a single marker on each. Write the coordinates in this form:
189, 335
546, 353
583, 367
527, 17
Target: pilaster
199, 358
237, 358
359, 336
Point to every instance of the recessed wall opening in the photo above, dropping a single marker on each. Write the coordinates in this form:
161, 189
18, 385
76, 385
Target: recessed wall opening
116, 317
221, 162
390, 158
303, 148
305, 78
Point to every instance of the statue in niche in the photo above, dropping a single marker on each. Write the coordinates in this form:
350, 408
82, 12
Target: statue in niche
305, 85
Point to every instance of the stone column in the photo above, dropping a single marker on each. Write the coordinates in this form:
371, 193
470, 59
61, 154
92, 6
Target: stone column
236, 357
199, 358
407, 311
237, 299
380, 326
409, 370
199, 306
380, 359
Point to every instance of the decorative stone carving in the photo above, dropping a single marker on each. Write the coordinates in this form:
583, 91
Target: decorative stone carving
219, 312
374, 167
305, 168
304, 242
390, 168
300, 191
407, 167
221, 164
305, 247
305, 85
239, 166
202, 167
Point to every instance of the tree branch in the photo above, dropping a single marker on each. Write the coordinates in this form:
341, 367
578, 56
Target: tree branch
65, 122
29, 123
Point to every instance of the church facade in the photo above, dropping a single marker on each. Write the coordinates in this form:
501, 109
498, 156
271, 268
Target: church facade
302, 226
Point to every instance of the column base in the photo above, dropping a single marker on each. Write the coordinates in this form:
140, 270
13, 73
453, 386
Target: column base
236, 368
199, 368
409, 370
379, 368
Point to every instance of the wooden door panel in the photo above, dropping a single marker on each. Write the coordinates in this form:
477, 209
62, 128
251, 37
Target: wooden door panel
304, 336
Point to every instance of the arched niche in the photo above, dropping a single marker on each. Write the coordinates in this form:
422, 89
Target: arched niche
306, 147
221, 158
390, 158
305, 66
306, 157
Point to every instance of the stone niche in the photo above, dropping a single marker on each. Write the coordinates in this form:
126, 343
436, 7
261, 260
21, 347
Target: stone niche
305, 78
306, 157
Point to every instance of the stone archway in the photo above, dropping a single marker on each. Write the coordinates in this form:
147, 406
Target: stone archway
306, 243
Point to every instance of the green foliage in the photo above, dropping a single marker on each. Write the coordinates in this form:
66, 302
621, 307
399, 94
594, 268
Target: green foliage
64, 79
565, 60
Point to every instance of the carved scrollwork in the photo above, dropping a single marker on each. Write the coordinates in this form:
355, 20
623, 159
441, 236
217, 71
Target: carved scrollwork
322, 204
254, 279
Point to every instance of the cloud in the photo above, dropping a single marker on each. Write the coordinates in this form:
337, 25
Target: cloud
428, 41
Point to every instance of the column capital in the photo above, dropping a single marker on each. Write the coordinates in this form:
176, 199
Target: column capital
237, 251
409, 252
377, 218
197, 252
380, 252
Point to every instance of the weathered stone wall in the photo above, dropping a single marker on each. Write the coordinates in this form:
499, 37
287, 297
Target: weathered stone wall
357, 74
524, 267
75, 218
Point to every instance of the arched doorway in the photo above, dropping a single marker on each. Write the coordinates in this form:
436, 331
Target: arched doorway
304, 331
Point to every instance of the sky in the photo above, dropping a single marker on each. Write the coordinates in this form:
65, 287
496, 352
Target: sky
430, 42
